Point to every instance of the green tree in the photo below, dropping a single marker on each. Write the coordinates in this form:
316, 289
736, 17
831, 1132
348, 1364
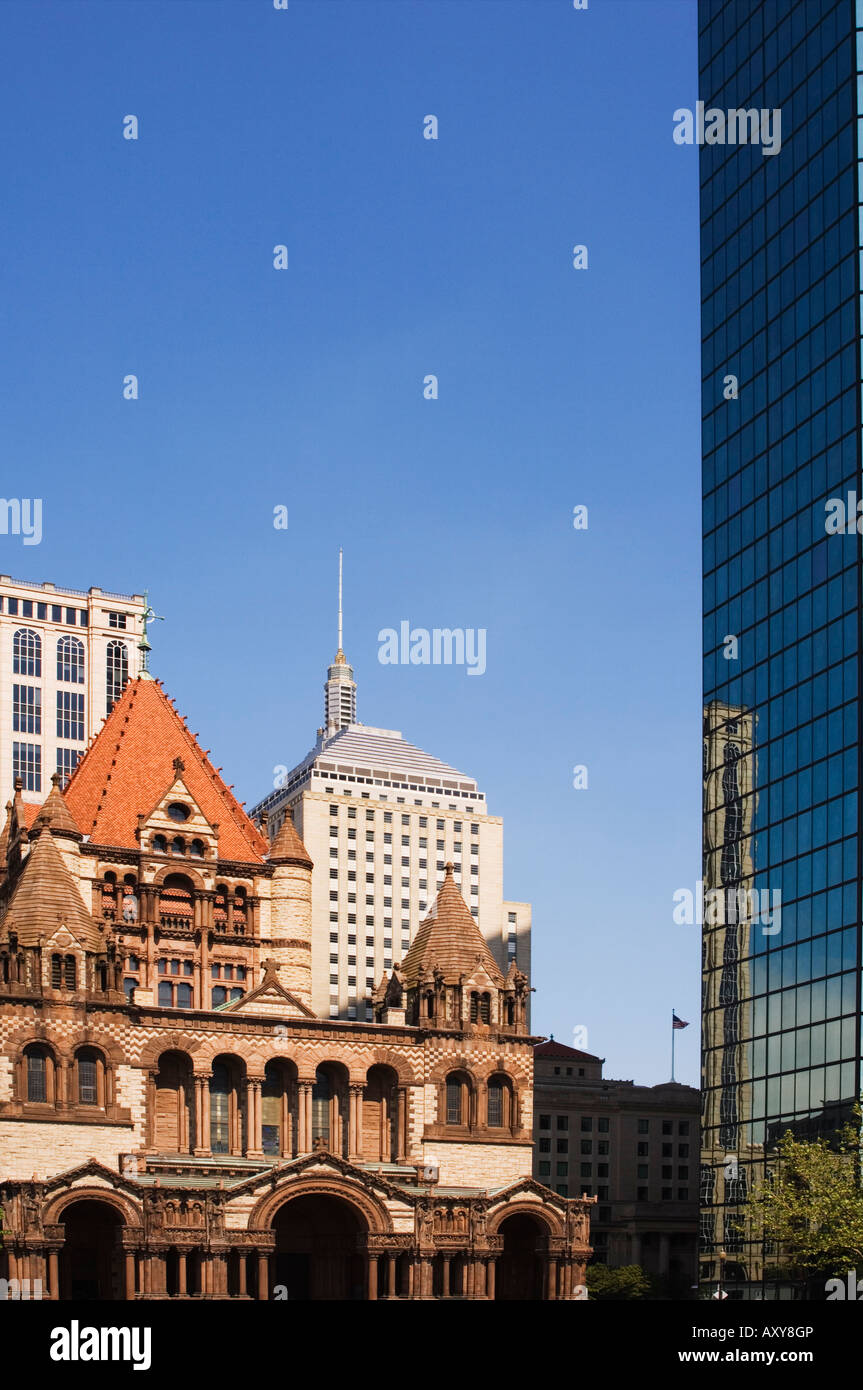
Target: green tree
625, 1282
810, 1206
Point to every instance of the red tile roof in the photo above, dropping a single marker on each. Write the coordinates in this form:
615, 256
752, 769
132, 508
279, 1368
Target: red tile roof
129, 767
556, 1049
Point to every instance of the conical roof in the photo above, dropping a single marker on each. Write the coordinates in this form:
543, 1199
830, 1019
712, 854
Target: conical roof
55, 814
450, 939
288, 848
4, 837
47, 896
131, 764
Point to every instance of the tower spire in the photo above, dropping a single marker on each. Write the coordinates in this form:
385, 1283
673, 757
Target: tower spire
340, 691
340, 600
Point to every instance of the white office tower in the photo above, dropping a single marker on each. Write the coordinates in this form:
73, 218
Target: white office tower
380, 818
65, 657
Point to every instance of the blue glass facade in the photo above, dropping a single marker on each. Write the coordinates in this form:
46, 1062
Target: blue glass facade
780, 251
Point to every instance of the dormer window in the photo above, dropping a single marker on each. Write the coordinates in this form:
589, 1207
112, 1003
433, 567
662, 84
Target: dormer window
178, 812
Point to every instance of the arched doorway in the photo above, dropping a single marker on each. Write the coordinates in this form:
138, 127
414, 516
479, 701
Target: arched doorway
318, 1253
91, 1265
520, 1267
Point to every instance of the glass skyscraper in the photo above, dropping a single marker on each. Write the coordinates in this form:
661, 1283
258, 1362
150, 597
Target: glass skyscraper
783, 613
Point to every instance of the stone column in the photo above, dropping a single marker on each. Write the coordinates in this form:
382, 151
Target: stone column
181, 1273
304, 1126
355, 1122
202, 1115
402, 1125
263, 1275
372, 1266
391, 1276
54, 1275
489, 1282
445, 1288
129, 1290
551, 1278
254, 1138
241, 1274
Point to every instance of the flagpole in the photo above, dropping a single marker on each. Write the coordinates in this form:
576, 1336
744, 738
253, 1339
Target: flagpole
672, 1044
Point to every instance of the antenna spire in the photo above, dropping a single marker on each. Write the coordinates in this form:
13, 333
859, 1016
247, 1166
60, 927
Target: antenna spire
340, 691
340, 598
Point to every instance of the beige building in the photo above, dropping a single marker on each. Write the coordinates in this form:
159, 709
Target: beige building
65, 656
633, 1148
380, 819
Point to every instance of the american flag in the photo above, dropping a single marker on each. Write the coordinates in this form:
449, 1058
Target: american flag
677, 1022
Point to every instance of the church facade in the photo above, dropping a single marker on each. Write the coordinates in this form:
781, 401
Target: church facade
176, 1121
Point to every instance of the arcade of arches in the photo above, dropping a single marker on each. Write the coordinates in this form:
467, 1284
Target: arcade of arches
333, 1239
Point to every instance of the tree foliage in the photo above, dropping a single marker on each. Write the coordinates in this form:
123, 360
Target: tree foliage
625, 1282
810, 1206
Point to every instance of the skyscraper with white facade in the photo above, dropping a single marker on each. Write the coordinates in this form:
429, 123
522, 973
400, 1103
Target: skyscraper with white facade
65, 657
380, 819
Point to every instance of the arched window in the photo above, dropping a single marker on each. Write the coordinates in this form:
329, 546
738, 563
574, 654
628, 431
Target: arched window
39, 1073
26, 653
90, 1066
322, 1094
160, 844
117, 672
178, 846
70, 660
219, 1089
500, 1105
56, 972
197, 848
176, 901
274, 1108
457, 1099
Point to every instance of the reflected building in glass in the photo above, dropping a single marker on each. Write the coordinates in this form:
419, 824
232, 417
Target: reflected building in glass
783, 612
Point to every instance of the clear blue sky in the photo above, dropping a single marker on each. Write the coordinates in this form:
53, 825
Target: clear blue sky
304, 388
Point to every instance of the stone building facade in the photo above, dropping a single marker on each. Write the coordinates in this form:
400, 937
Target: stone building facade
177, 1122
632, 1149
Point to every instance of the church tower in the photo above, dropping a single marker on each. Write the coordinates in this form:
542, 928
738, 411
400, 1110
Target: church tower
290, 942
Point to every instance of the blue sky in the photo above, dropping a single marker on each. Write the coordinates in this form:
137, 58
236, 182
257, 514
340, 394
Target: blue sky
304, 388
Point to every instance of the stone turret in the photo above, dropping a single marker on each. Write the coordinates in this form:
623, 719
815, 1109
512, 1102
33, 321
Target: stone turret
290, 940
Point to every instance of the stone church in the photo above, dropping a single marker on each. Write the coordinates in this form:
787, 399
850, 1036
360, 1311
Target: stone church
175, 1120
